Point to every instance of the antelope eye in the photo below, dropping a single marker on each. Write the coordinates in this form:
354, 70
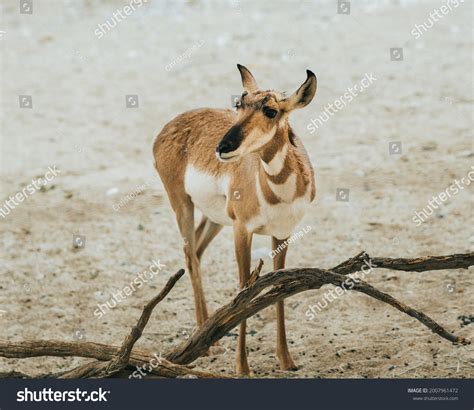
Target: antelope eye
270, 112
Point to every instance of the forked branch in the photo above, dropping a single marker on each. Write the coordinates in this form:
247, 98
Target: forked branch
260, 292
288, 282
110, 360
122, 357
99, 351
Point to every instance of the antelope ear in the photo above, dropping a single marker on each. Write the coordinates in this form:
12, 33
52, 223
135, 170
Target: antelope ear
303, 95
248, 82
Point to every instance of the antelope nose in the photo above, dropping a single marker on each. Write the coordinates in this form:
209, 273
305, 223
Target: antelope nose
224, 147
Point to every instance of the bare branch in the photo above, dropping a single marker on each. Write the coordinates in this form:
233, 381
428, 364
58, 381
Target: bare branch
288, 282
120, 360
102, 352
425, 263
259, 293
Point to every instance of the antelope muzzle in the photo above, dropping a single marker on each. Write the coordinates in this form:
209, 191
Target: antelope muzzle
230, 143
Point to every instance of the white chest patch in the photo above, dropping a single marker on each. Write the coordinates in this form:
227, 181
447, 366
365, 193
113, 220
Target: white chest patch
208, 194
286, 191
279, 220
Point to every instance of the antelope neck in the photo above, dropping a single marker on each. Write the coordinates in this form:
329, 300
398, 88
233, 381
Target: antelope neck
275, 159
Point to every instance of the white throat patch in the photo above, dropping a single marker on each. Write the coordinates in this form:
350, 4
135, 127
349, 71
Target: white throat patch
275, 166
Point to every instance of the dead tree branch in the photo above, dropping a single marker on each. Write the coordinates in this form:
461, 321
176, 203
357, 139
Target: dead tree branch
287, 282
424, 263
110, 360
99, 351
120, 360
259, 293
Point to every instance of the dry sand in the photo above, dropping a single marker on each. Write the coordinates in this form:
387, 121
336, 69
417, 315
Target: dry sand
79, 123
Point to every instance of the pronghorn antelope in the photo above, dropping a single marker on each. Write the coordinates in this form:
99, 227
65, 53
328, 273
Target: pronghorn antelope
260, 183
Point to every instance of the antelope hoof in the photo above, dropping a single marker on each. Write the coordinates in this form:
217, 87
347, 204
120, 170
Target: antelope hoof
286, 363
242, 369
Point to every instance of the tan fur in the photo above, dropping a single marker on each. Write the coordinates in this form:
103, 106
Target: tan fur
190, 140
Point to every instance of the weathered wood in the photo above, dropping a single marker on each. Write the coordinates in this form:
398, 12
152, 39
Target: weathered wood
424, 263
110, 360
113, 360
103, 352
287, 282
121, 358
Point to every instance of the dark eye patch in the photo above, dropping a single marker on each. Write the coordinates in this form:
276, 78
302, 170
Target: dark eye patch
270, 112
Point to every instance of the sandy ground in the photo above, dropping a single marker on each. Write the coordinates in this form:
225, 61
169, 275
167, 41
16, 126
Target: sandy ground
79, 122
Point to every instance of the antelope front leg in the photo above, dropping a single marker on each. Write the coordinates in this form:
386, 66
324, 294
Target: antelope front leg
243, 247
283, 354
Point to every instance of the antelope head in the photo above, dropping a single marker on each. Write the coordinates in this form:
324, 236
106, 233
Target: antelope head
259, 115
